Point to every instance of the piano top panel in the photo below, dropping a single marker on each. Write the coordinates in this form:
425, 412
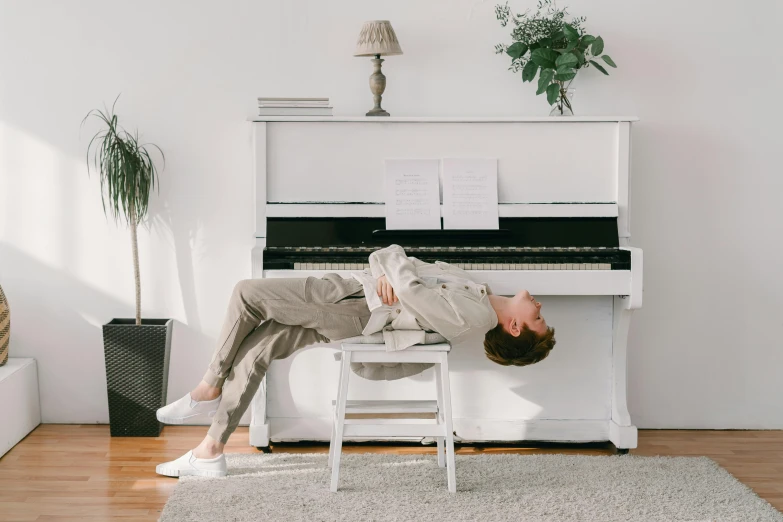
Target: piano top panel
547, 167
537, 163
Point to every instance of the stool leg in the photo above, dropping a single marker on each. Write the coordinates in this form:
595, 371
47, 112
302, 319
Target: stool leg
446, 387
439, 419
340, 421
334, 418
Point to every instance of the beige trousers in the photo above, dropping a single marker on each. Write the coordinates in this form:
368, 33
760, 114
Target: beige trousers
270, 319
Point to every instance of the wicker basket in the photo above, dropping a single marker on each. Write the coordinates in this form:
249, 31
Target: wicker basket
5, 328
137, 372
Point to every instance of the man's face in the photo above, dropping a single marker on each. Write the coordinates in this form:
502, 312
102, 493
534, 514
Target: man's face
525, 310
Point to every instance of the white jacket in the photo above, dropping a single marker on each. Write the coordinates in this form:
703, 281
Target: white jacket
434, 297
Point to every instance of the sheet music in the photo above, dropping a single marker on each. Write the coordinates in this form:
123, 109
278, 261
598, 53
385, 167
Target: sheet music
412, 194
470, 193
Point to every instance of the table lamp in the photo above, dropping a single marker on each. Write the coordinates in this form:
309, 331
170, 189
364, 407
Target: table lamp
377, 39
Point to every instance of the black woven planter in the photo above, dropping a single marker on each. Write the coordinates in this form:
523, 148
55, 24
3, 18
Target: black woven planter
137, 374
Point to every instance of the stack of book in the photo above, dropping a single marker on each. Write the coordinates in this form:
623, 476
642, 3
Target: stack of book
294, 107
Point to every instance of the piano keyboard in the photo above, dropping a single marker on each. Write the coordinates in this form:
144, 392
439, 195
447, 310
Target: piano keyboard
467, 266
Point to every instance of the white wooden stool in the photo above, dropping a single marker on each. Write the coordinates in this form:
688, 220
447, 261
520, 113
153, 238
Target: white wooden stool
442, 429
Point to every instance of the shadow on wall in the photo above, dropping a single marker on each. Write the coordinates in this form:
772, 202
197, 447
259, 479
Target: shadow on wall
181, 232
54, 315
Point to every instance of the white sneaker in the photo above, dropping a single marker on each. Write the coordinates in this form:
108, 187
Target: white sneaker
187, 464
188, 411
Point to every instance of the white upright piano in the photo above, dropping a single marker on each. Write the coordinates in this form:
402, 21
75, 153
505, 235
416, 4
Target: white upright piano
564, 204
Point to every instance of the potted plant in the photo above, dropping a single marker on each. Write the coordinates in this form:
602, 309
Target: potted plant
555, 49
136, 350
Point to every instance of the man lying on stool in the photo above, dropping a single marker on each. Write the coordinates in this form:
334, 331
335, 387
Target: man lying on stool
398, 295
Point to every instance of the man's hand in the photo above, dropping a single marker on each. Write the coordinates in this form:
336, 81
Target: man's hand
385, 291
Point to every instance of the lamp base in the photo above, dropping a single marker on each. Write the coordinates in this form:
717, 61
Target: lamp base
377, 86
377, 112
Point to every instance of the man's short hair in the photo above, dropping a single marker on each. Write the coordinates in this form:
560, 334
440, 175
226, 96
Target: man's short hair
528, 347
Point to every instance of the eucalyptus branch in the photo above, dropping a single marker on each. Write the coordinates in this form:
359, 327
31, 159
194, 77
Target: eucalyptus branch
547, 44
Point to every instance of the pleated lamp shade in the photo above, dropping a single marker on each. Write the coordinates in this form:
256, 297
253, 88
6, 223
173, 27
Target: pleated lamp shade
377, 37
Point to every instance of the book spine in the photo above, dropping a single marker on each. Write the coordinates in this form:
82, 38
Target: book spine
291, 111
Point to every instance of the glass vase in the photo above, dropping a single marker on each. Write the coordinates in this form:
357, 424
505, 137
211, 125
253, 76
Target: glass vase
563, 106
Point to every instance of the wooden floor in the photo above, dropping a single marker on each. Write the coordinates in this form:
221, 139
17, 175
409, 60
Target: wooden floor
79, 472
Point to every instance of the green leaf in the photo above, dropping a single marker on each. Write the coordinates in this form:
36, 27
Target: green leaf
529, 72
609, 60
587, 39
580, 58
566, 75
557, 35
552, 92
545, 42
598, 66
570, 32
545, 58
544, 80
516, 50
566, 59
598, 47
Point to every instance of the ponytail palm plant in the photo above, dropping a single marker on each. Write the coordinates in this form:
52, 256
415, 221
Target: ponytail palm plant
128, 175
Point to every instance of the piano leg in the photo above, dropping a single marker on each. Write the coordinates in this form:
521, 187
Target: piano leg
621, 432
259, 425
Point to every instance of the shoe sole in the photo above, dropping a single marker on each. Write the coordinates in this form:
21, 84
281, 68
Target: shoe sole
184, 420
173, 472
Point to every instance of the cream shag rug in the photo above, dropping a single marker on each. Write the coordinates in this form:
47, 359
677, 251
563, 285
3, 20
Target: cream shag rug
490, 487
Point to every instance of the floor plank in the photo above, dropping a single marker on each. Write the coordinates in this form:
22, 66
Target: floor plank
67, 472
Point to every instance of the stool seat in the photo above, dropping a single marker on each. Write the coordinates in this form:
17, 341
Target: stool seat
361, 350
377, 338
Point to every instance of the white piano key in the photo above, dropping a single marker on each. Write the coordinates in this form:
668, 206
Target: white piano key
493, 266
366, 265
537, 266
309, 266
604, 266
523, 266
341, 266
297, 266
506, 266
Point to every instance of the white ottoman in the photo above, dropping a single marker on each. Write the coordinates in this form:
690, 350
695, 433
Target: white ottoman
20, 407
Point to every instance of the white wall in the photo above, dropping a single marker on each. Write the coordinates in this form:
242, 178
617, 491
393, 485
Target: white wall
702, 76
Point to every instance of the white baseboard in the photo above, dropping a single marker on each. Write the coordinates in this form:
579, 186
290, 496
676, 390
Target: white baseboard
20, 406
